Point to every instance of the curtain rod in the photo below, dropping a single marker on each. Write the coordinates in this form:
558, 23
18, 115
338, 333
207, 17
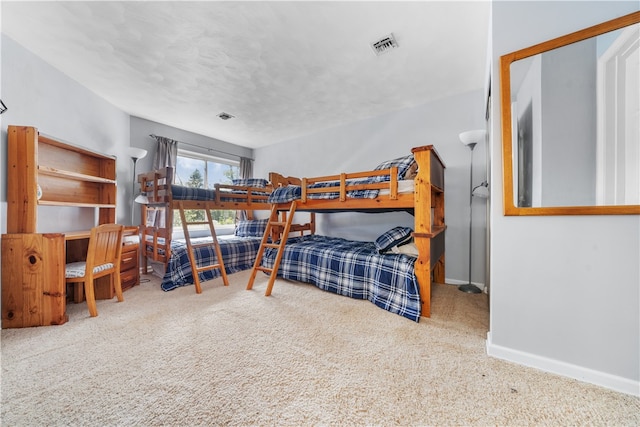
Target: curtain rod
204, 148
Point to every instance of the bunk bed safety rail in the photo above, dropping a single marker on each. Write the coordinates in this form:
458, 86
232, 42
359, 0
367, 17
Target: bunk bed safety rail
357, 184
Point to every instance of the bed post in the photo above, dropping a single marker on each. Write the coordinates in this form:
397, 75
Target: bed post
422, 227
429, 222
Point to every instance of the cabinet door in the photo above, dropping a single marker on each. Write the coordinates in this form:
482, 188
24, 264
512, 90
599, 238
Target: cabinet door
129, 279
33, 286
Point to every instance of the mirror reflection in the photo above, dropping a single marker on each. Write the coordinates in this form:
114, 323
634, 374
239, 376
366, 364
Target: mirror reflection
576, 123
570, 111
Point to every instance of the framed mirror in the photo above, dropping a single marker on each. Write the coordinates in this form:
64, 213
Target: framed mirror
571, 123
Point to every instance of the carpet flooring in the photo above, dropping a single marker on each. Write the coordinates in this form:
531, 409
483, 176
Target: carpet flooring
299, 357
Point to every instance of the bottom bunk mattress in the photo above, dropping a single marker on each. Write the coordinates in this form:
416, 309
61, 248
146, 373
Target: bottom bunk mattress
238, 253
352, 268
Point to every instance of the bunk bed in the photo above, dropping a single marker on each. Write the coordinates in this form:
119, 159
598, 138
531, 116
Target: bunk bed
391, 186
211, 256
238, 253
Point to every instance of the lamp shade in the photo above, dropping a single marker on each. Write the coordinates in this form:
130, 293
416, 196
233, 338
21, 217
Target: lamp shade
142, 199
481, 192
473, 136
136, 153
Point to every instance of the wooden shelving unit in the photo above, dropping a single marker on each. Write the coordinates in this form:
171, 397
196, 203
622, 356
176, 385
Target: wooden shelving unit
45, 171
67, 175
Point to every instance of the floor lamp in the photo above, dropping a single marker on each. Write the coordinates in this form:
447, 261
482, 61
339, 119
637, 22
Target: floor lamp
135, 154
471, 139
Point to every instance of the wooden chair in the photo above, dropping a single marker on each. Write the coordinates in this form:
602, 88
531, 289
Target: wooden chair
103, 259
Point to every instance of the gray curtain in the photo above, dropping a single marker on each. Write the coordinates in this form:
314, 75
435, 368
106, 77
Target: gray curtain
246, 168
166, 153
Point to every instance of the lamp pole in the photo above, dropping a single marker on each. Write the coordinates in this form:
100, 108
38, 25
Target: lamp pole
133, 188
136, 154
470, 287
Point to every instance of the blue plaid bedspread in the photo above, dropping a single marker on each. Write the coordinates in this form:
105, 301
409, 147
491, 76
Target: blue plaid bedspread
189, 193
353, 269
293, 192
180, 192
238, 253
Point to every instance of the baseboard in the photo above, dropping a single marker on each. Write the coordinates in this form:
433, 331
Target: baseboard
602, 379
462, 282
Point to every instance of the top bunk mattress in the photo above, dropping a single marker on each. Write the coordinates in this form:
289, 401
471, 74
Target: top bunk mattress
180, 192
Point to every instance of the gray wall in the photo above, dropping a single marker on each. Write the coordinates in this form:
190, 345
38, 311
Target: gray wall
142, 128
39, 95
564, 289
569, 125
362, 145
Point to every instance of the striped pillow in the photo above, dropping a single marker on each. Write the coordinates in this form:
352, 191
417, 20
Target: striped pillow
403, 164
251, 228
394, 237
250, 182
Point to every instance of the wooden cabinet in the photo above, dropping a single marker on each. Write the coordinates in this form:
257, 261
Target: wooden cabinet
45, 171
33, 286
42, 170
130, 260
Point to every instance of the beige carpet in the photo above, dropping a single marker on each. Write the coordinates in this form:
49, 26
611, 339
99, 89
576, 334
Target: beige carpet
300, 357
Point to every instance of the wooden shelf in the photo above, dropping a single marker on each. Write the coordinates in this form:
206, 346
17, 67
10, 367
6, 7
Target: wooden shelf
44, 170
67, 176
75, 204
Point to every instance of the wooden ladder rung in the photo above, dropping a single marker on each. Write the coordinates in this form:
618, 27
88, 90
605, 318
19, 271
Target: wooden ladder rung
208, 267
195, 269
283, 227
201, 245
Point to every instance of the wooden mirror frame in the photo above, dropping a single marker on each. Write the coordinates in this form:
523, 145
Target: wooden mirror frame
507, 142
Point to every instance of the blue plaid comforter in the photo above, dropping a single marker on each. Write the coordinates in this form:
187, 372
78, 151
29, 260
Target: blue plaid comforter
180, 192
294, 192
189, 193
353, 269
238, 253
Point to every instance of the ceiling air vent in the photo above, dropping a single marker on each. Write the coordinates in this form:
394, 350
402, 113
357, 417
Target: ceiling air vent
225, 116
384, 45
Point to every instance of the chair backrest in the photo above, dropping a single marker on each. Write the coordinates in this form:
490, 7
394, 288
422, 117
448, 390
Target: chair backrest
105, 245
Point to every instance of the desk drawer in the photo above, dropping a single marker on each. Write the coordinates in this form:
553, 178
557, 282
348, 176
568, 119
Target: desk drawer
129, 261
129, 279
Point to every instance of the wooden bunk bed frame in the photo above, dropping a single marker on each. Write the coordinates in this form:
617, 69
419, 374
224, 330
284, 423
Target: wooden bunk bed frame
158, 233
426, 203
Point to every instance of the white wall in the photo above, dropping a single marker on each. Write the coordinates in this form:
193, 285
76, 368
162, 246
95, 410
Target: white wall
39, 95
364, 144
564, 289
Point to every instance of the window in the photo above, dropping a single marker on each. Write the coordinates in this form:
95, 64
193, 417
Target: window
201, 171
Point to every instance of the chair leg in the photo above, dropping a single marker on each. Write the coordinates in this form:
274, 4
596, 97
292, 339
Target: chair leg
117, 286
78, 292
90, 294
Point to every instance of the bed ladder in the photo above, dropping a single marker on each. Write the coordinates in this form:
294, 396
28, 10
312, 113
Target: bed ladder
274, 228
195, 269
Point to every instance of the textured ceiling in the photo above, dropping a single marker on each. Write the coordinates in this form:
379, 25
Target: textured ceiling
283, 69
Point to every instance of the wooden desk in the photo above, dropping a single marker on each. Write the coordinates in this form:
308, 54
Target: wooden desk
33, 284
76, 250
